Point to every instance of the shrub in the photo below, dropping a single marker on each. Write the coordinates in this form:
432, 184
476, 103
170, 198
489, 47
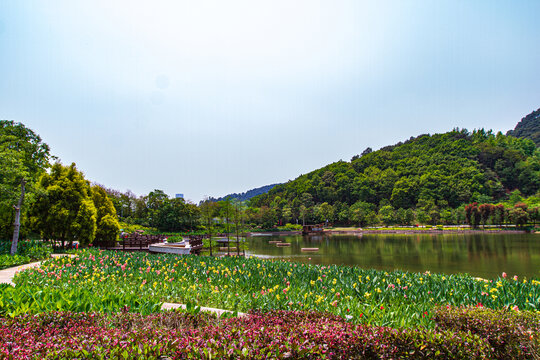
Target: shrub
512, 334
7, 261
276, 334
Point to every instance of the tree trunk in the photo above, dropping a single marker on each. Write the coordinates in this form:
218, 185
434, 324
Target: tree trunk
17, 224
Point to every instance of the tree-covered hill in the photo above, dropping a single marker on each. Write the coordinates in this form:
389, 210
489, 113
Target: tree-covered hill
441, 170
528, 127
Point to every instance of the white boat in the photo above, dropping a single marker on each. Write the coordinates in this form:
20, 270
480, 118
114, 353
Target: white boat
181, 248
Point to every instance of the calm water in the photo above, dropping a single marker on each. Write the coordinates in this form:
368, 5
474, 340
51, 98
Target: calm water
483, 255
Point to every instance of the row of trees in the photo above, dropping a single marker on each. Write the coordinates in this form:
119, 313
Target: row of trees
155, 210
68, 208
56, 201
482, 214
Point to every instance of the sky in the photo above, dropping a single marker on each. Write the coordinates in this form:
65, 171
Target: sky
208, 98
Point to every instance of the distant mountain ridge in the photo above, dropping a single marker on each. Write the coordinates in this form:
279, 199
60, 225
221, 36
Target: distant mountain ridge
528, 127
248, 194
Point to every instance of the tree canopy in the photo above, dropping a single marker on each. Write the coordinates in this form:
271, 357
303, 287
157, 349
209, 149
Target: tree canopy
64, 209
23, 155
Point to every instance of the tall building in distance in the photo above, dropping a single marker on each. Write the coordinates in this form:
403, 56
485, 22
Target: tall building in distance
179, 196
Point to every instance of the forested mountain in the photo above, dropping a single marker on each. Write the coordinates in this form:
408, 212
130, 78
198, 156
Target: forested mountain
528, 127
248, 194
440, 171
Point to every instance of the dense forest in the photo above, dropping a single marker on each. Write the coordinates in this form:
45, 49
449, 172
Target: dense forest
424, 178
528, 127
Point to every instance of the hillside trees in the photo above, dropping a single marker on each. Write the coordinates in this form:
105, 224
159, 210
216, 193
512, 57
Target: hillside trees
528, 127
434, 175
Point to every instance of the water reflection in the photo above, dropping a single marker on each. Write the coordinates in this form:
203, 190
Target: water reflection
484, 255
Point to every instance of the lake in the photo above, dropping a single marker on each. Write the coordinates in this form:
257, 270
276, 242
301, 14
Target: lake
483, 255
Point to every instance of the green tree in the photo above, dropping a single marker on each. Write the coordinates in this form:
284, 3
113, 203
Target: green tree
287, 213
422, 216
64, 209
519, 214
23, 158
267, 217
387, 215
326, 212
362, 213
106, 221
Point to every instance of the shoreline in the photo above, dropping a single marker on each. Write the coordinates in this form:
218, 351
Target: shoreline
403, 232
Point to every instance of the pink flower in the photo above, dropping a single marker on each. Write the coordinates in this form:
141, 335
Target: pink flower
515, 277
504, 275
515, 308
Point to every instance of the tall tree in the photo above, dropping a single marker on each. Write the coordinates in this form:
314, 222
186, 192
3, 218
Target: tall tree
107, 226
23, 158
64, 210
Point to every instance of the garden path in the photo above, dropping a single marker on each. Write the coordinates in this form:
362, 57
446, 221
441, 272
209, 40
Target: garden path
6, 275
219, 312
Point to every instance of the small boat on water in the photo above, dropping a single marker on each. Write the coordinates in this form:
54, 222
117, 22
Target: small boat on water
283, 244
309, 249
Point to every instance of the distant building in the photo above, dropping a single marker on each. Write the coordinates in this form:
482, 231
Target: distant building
179, 196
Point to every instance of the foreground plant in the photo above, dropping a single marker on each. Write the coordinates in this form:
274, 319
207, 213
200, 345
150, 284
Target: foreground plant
278, 335
397, 299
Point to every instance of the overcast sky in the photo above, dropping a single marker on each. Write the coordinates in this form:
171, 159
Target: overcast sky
213, 97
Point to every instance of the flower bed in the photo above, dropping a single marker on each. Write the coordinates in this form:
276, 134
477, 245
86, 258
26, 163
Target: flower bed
294, 335
106, 281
